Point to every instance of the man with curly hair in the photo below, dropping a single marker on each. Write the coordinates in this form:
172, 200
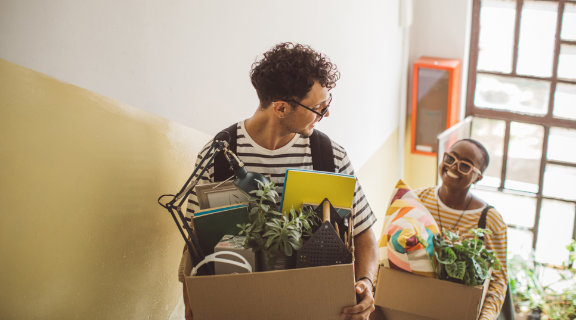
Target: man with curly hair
293, 84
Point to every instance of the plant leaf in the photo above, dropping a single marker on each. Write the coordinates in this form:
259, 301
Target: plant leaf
446, 255
456, 270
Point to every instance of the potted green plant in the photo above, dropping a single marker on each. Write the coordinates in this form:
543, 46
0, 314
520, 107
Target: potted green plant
464, 261
273, 235
536, 300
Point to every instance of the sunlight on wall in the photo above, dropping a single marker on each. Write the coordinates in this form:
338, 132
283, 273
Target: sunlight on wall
419, 170
81, 233
378, 178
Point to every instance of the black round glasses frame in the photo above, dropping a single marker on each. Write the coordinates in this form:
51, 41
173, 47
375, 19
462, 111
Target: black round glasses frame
322, 111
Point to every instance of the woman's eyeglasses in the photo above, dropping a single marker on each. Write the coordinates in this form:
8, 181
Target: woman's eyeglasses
322, 111
463, 166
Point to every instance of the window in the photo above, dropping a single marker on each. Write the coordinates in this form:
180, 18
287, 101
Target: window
522, 94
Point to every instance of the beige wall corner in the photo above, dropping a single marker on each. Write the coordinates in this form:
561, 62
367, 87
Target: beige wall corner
419, 170
81, 233
379, 176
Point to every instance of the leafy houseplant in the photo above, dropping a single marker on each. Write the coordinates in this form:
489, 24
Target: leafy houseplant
464, 261
269, 231
556, 300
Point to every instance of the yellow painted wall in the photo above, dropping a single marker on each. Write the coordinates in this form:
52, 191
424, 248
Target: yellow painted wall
81, 233
419, 170
379, 176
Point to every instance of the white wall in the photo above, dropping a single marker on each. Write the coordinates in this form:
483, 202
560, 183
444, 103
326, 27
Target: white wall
189, 60
441, 28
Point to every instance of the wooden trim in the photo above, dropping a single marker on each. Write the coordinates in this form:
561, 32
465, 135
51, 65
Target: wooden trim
523, 76
473, 58
559, 15
525, 194
561, 163
540, 184
505, 147
517, 22
518, 117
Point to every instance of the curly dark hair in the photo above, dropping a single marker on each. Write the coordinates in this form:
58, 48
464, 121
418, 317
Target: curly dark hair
288, 71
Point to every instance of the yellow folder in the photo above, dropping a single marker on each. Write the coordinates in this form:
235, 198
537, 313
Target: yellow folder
308, 186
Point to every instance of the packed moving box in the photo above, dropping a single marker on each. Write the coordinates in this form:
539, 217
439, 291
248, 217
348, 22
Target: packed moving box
306, 293
405, 296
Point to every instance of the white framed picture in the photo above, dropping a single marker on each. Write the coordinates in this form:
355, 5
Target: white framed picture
218, 194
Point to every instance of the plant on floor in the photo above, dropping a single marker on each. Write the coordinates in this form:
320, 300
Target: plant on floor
465, 261
556, 300
271, 232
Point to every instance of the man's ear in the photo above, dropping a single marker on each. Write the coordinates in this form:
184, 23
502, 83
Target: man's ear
280, 108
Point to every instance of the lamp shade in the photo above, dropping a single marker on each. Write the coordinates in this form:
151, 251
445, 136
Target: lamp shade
246, 181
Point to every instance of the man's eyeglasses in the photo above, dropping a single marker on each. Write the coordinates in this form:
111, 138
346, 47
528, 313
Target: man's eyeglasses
463, 166
322, 111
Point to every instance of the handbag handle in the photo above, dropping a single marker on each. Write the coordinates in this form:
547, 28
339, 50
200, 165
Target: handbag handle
215, 257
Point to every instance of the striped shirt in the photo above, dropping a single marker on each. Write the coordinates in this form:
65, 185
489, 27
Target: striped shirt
495, 242
274, 163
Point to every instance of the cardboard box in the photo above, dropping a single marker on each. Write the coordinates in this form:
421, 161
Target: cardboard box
405, 296
307, 293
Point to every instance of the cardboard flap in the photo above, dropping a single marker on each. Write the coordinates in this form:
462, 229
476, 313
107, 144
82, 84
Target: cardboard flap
419, 297
308, 293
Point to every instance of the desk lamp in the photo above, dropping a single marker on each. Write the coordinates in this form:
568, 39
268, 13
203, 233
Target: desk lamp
245, 181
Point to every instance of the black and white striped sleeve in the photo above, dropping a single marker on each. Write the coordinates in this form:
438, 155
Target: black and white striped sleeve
364, 218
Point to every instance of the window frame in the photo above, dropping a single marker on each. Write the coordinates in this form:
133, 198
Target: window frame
547, 120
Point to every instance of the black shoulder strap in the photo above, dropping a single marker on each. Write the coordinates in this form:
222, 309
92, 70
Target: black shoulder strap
322, 153
482, 220
222, 170
320, 146
507, 309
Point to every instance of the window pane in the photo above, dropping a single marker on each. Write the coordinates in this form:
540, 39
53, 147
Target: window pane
512, 94
558, 140
553, 236
567, 62
569, 22
496, 40
490, 133
519, 242
515, 209
524, 154
537, 35
564, 98
560, 182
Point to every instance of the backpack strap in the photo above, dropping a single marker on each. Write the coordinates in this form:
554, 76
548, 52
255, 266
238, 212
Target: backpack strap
222, 169
482, 220
320, 147
507, 309
322, 153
